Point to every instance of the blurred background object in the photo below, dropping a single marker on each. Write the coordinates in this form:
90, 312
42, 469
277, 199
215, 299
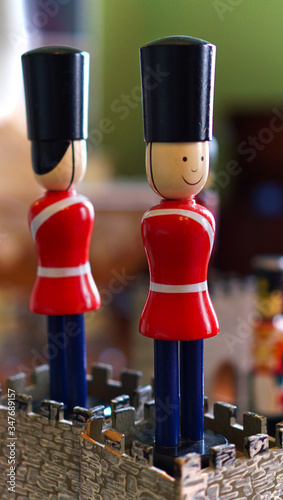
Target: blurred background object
245, 187
266, 379
11, 23
69, 23
252, 215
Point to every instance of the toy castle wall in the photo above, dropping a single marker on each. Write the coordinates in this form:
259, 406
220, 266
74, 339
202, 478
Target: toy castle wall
107, 475
86, 459
119, 477
48, 453
48, 449
93, 458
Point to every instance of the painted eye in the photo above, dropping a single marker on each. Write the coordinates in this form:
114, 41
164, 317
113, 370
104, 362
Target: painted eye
185, 158
202, 158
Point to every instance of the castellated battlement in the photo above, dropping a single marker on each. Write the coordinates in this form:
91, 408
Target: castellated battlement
100, 384
90, 456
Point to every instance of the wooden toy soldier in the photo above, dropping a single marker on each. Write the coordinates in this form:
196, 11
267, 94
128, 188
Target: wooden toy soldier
178, 87
61, 221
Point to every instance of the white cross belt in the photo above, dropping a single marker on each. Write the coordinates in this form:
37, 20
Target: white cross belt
184, 213
192, 288
63, 272
54, 208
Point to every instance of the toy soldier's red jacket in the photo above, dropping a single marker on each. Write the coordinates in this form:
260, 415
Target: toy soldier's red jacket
178, 238
61, 225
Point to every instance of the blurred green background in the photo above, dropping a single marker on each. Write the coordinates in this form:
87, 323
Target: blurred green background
249, 72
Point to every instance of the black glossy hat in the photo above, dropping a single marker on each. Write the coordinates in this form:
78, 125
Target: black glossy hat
177, 76
56, 90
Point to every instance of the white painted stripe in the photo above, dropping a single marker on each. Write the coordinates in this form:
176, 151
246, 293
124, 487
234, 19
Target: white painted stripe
184, 213
47, 212
63, 272
195, 287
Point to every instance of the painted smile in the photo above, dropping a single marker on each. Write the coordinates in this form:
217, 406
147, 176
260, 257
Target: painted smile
192, 183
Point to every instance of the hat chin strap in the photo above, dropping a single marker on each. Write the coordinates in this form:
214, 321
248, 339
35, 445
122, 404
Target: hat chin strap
73, 167
151, 171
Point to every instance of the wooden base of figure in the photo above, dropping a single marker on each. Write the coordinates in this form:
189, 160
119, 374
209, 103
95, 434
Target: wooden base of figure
67, 360
164, 457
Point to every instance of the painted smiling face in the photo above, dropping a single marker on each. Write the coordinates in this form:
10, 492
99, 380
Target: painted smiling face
177, 171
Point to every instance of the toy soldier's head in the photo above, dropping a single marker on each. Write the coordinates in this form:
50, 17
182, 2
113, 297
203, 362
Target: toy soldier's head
178, 89
56, 91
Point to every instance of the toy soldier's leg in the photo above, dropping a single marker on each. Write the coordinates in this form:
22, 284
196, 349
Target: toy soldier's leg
192, 390
166, 373
56, 352
76, 370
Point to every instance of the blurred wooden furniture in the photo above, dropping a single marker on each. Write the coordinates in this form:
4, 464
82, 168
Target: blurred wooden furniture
252, 211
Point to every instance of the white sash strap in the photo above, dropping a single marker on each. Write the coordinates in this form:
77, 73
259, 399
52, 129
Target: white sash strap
63, 272
195, 287
47, 212
184, 213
